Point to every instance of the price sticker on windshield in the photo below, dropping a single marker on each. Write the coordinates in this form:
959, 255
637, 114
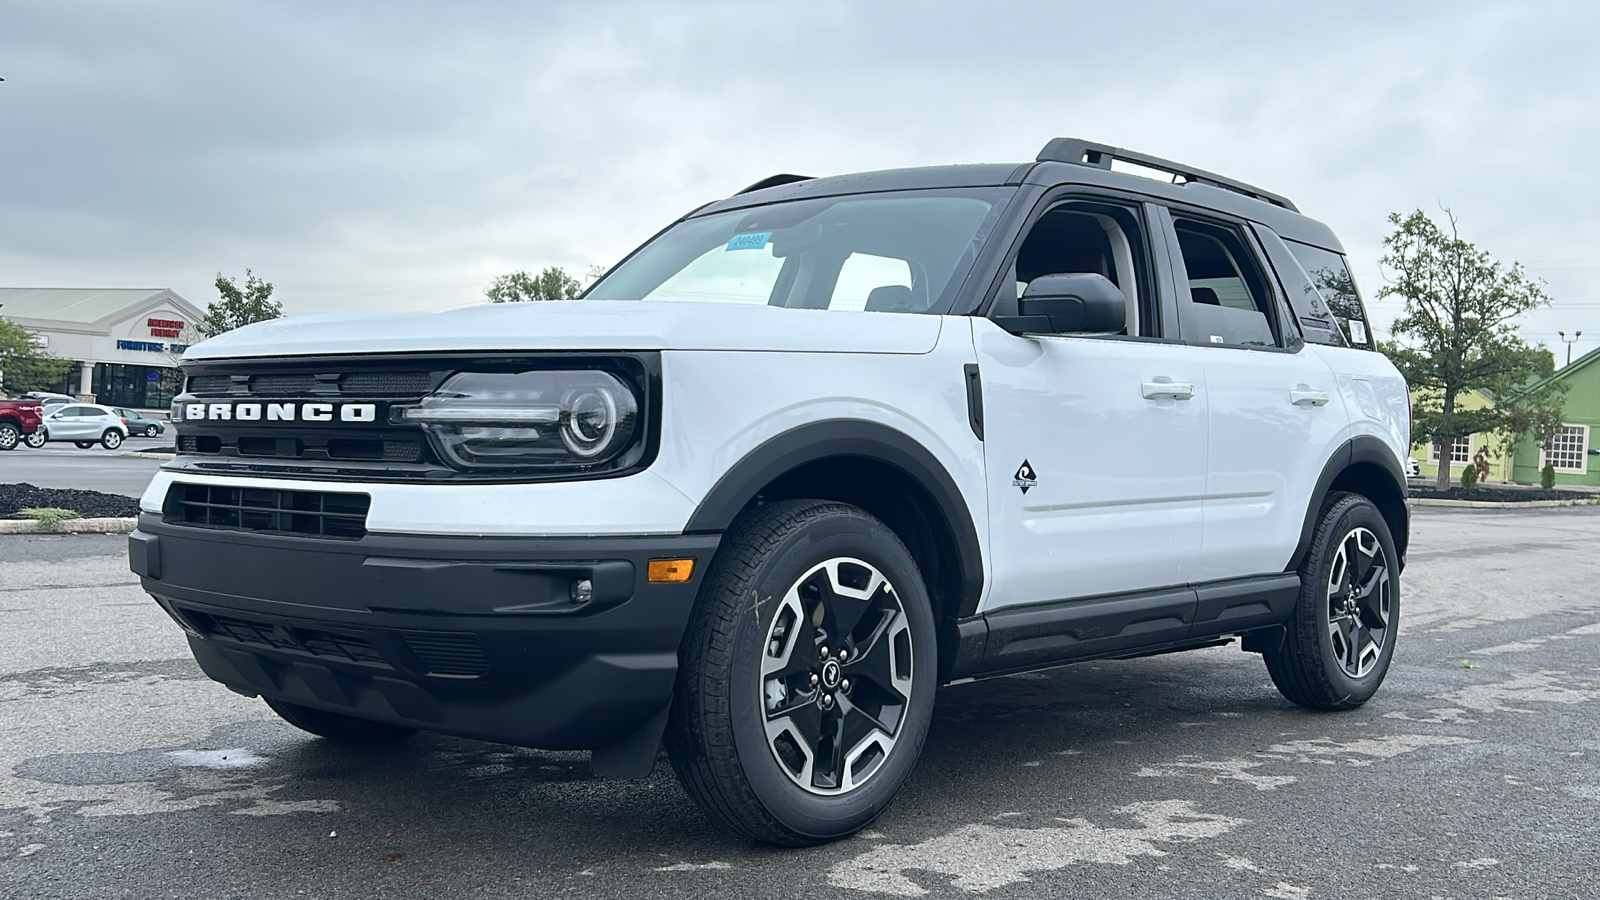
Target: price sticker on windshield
753, 241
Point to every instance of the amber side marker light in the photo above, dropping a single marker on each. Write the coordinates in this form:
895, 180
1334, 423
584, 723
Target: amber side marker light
670, 571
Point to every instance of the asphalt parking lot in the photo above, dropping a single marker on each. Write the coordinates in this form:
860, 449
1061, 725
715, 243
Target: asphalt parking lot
62, 465
1475, 772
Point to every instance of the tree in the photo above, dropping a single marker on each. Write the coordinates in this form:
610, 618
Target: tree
238, 308
1458, 333
24, 366
552, 284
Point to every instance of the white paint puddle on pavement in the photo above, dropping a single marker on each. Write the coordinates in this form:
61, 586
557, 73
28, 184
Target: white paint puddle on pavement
236, 758
1218, 771
1512, 694
1361, 752
980, 858
1535, 643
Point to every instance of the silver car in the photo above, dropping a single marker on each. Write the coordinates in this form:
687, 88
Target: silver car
85, 424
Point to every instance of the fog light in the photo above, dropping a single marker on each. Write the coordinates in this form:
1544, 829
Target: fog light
582, 591
670, 571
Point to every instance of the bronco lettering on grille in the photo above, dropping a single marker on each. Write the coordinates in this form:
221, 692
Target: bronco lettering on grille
359, 413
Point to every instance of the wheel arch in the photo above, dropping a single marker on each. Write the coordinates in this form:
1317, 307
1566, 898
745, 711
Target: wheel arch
877, 468
1367, 466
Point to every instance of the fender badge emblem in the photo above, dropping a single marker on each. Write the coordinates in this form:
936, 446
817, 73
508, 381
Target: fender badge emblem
1026, 477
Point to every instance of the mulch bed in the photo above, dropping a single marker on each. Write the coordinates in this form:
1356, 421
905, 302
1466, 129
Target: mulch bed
1498, 495
89, 504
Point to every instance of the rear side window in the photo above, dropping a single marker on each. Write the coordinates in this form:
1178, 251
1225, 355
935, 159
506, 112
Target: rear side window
1229, 300
1330, 275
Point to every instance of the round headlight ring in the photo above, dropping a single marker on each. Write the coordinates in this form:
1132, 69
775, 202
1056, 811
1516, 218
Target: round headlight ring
590, 423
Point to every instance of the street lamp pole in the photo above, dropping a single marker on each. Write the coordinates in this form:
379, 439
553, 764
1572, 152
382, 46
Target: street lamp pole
1569, 342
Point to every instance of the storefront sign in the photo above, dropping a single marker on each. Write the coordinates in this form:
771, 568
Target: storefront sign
168, 328
146, 346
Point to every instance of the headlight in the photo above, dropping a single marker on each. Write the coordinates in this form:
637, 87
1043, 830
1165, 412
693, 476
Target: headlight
546, 419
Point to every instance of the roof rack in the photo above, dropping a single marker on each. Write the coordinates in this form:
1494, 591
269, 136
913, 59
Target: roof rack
1100, 156
774, 181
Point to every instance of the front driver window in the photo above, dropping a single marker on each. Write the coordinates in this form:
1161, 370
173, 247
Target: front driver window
1094, 238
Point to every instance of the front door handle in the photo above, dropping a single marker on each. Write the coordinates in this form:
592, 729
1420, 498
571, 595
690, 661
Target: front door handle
1303, 395
1162, 386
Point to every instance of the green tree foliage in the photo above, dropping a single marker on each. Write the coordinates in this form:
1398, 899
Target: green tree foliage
1547, 476
24, 366
239, 307
1458, 333
552, 284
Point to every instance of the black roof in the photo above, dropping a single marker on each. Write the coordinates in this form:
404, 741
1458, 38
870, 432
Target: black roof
1062, 161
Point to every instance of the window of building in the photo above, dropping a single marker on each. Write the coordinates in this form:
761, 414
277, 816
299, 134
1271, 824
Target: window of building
1460, 451
1568, 450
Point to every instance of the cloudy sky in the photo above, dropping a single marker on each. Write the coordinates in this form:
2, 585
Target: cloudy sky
400, 155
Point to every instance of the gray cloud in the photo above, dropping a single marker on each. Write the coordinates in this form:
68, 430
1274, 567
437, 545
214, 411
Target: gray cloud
375, 156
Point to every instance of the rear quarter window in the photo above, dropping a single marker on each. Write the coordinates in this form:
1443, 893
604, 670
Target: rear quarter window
1330, 276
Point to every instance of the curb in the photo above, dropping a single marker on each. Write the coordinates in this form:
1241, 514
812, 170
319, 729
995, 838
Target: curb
146, 454
1501, 504
68, 526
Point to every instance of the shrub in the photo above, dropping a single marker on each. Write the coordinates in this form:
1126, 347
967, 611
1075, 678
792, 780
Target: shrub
1469, 478
48, 516
1547, 476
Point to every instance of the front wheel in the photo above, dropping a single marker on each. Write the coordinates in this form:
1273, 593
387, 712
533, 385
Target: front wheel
1341, 639
10, 436
36, 440
339, 727
83, 445
807, 675
111, 440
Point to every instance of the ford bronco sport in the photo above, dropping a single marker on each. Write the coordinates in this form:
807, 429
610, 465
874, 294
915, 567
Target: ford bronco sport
806, 455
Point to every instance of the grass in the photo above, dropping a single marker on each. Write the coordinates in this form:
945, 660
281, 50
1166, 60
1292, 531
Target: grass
48, 516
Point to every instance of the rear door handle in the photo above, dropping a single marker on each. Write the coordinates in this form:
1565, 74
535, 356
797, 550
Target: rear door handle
1303, 395
1162, 386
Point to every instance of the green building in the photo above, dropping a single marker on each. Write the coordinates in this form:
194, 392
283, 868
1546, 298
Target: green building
1466, 446
1572, 452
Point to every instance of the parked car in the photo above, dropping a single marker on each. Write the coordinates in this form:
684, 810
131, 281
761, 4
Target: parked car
48, 398
85, 425
811, 452
138, 423
19, 420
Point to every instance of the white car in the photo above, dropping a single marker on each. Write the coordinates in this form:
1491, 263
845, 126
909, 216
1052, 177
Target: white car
85, 424
809, 453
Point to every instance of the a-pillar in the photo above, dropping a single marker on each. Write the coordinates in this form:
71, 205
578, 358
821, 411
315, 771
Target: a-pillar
86, 382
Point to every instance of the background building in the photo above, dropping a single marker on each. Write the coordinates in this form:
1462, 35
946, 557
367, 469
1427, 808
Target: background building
125, 341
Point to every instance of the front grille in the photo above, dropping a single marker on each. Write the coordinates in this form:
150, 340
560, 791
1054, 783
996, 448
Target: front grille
341, 646
448, 653
298, 384
305, 513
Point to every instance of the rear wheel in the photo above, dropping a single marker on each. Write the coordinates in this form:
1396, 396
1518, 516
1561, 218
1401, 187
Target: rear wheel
807, 675
1341, 639
10, 436
83, 445
150, 431
112, 439
338, 727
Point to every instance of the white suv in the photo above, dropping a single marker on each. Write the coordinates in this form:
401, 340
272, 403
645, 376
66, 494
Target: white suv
809, 453
85, 425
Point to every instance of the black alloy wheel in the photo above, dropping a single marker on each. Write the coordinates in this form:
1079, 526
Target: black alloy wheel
807, 675
1338, 646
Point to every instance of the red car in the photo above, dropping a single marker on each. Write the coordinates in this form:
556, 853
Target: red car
20, 420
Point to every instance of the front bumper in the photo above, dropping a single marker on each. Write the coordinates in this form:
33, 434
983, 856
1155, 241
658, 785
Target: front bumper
476, 637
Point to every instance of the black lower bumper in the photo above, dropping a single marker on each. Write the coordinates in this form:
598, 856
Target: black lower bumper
477, 637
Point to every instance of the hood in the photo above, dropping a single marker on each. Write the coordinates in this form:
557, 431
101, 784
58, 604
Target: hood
581, 325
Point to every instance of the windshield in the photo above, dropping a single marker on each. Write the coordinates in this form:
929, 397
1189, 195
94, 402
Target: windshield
895, 252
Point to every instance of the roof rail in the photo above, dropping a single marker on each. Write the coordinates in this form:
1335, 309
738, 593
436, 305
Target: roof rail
1087, 153
774, 181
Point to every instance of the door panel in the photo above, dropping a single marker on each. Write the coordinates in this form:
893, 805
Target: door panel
1113, 497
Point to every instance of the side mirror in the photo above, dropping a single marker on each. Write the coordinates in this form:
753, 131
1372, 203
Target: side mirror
1077, 303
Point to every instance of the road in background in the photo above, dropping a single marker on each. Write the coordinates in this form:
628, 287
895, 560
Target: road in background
1475, 771
62, 465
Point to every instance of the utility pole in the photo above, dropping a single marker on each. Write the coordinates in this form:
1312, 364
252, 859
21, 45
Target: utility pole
1569, 342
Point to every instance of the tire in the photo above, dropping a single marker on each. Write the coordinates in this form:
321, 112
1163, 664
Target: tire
36, 440
150, 431
10, 436
339, 727
755, 644
1341, 639
112, 439
83, 445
